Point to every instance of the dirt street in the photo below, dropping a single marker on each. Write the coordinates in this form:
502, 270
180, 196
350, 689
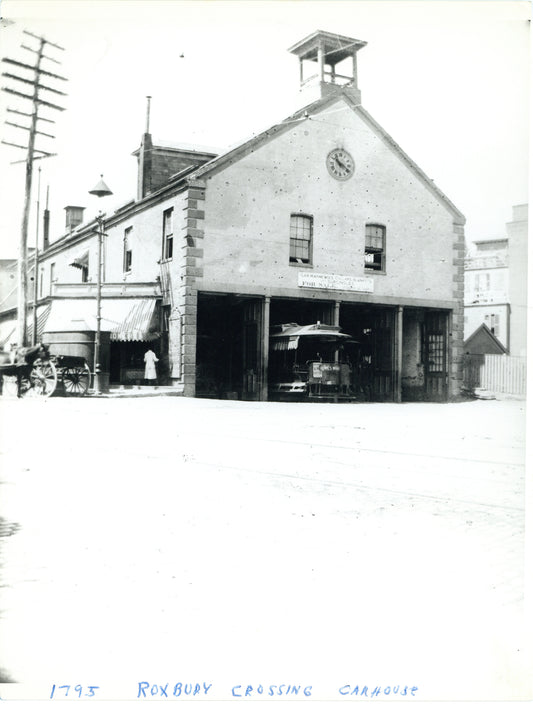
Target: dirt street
225, 545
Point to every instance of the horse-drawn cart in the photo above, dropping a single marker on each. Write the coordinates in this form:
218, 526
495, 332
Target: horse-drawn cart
39, 374
74, 374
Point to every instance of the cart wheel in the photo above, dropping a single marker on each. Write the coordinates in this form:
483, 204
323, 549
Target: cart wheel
42, 380
76, 380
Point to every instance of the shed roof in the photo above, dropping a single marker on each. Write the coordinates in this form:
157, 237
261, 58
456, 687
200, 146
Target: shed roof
483, 341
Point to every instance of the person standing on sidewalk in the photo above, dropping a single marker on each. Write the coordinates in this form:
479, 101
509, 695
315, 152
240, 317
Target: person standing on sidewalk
150, 372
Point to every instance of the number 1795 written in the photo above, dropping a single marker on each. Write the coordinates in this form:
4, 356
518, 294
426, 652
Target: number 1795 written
79, 689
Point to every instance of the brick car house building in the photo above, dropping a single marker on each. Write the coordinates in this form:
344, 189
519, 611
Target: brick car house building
322, 217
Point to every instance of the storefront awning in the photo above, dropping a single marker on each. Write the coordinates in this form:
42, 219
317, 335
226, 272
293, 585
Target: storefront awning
125, 319
8, 328
82, 262
43, 312
139, 324
7, 332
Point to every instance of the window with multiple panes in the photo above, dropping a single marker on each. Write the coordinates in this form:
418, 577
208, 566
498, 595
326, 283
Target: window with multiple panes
127, 250
435, 352
374, 247
168, 237
301, 234
52, 275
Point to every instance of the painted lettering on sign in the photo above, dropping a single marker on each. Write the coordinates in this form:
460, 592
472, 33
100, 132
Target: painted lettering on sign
316, 280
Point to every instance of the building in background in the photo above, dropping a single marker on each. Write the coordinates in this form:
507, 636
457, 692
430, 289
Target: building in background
517, 233
8, 300
487, 289
496, 287
322, 217
483, 342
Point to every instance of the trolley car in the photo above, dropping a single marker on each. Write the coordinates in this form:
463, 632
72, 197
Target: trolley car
313, 362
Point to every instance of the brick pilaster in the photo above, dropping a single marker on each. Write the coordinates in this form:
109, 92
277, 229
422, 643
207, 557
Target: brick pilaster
456, 323
191, 269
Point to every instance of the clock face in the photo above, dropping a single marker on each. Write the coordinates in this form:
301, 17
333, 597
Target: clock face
340, 164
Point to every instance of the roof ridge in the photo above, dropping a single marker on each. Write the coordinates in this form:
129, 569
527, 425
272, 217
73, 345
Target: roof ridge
303, 113
410, 162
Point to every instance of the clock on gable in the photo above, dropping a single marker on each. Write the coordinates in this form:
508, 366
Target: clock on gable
340, 164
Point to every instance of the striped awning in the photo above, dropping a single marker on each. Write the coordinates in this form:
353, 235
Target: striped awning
42, 316
82, 261
8, 328
139, 323
124, 318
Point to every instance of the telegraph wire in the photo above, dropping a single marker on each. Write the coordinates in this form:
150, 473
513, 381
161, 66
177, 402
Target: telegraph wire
33, 152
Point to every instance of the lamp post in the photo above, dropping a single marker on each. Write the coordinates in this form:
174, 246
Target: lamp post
100, 190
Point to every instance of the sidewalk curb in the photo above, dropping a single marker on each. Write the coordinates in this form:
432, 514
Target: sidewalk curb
125, 394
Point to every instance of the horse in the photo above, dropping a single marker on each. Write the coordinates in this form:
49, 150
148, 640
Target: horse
19, 362
28, 355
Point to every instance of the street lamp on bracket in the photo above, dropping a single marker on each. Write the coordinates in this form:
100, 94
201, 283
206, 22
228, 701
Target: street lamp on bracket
100, 190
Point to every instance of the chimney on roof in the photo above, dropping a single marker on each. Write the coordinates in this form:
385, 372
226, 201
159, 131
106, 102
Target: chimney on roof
328, 64
148, 99
74, 217
144, 158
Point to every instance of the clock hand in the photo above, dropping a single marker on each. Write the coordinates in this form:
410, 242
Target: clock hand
342, 163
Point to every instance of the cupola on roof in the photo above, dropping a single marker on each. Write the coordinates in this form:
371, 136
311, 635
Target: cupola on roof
328, 50
336, 46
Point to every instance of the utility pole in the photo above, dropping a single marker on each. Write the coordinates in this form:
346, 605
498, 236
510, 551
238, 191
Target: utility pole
36, 262
35, 73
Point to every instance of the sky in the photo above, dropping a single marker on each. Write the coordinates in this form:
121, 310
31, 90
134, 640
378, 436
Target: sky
449, 81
